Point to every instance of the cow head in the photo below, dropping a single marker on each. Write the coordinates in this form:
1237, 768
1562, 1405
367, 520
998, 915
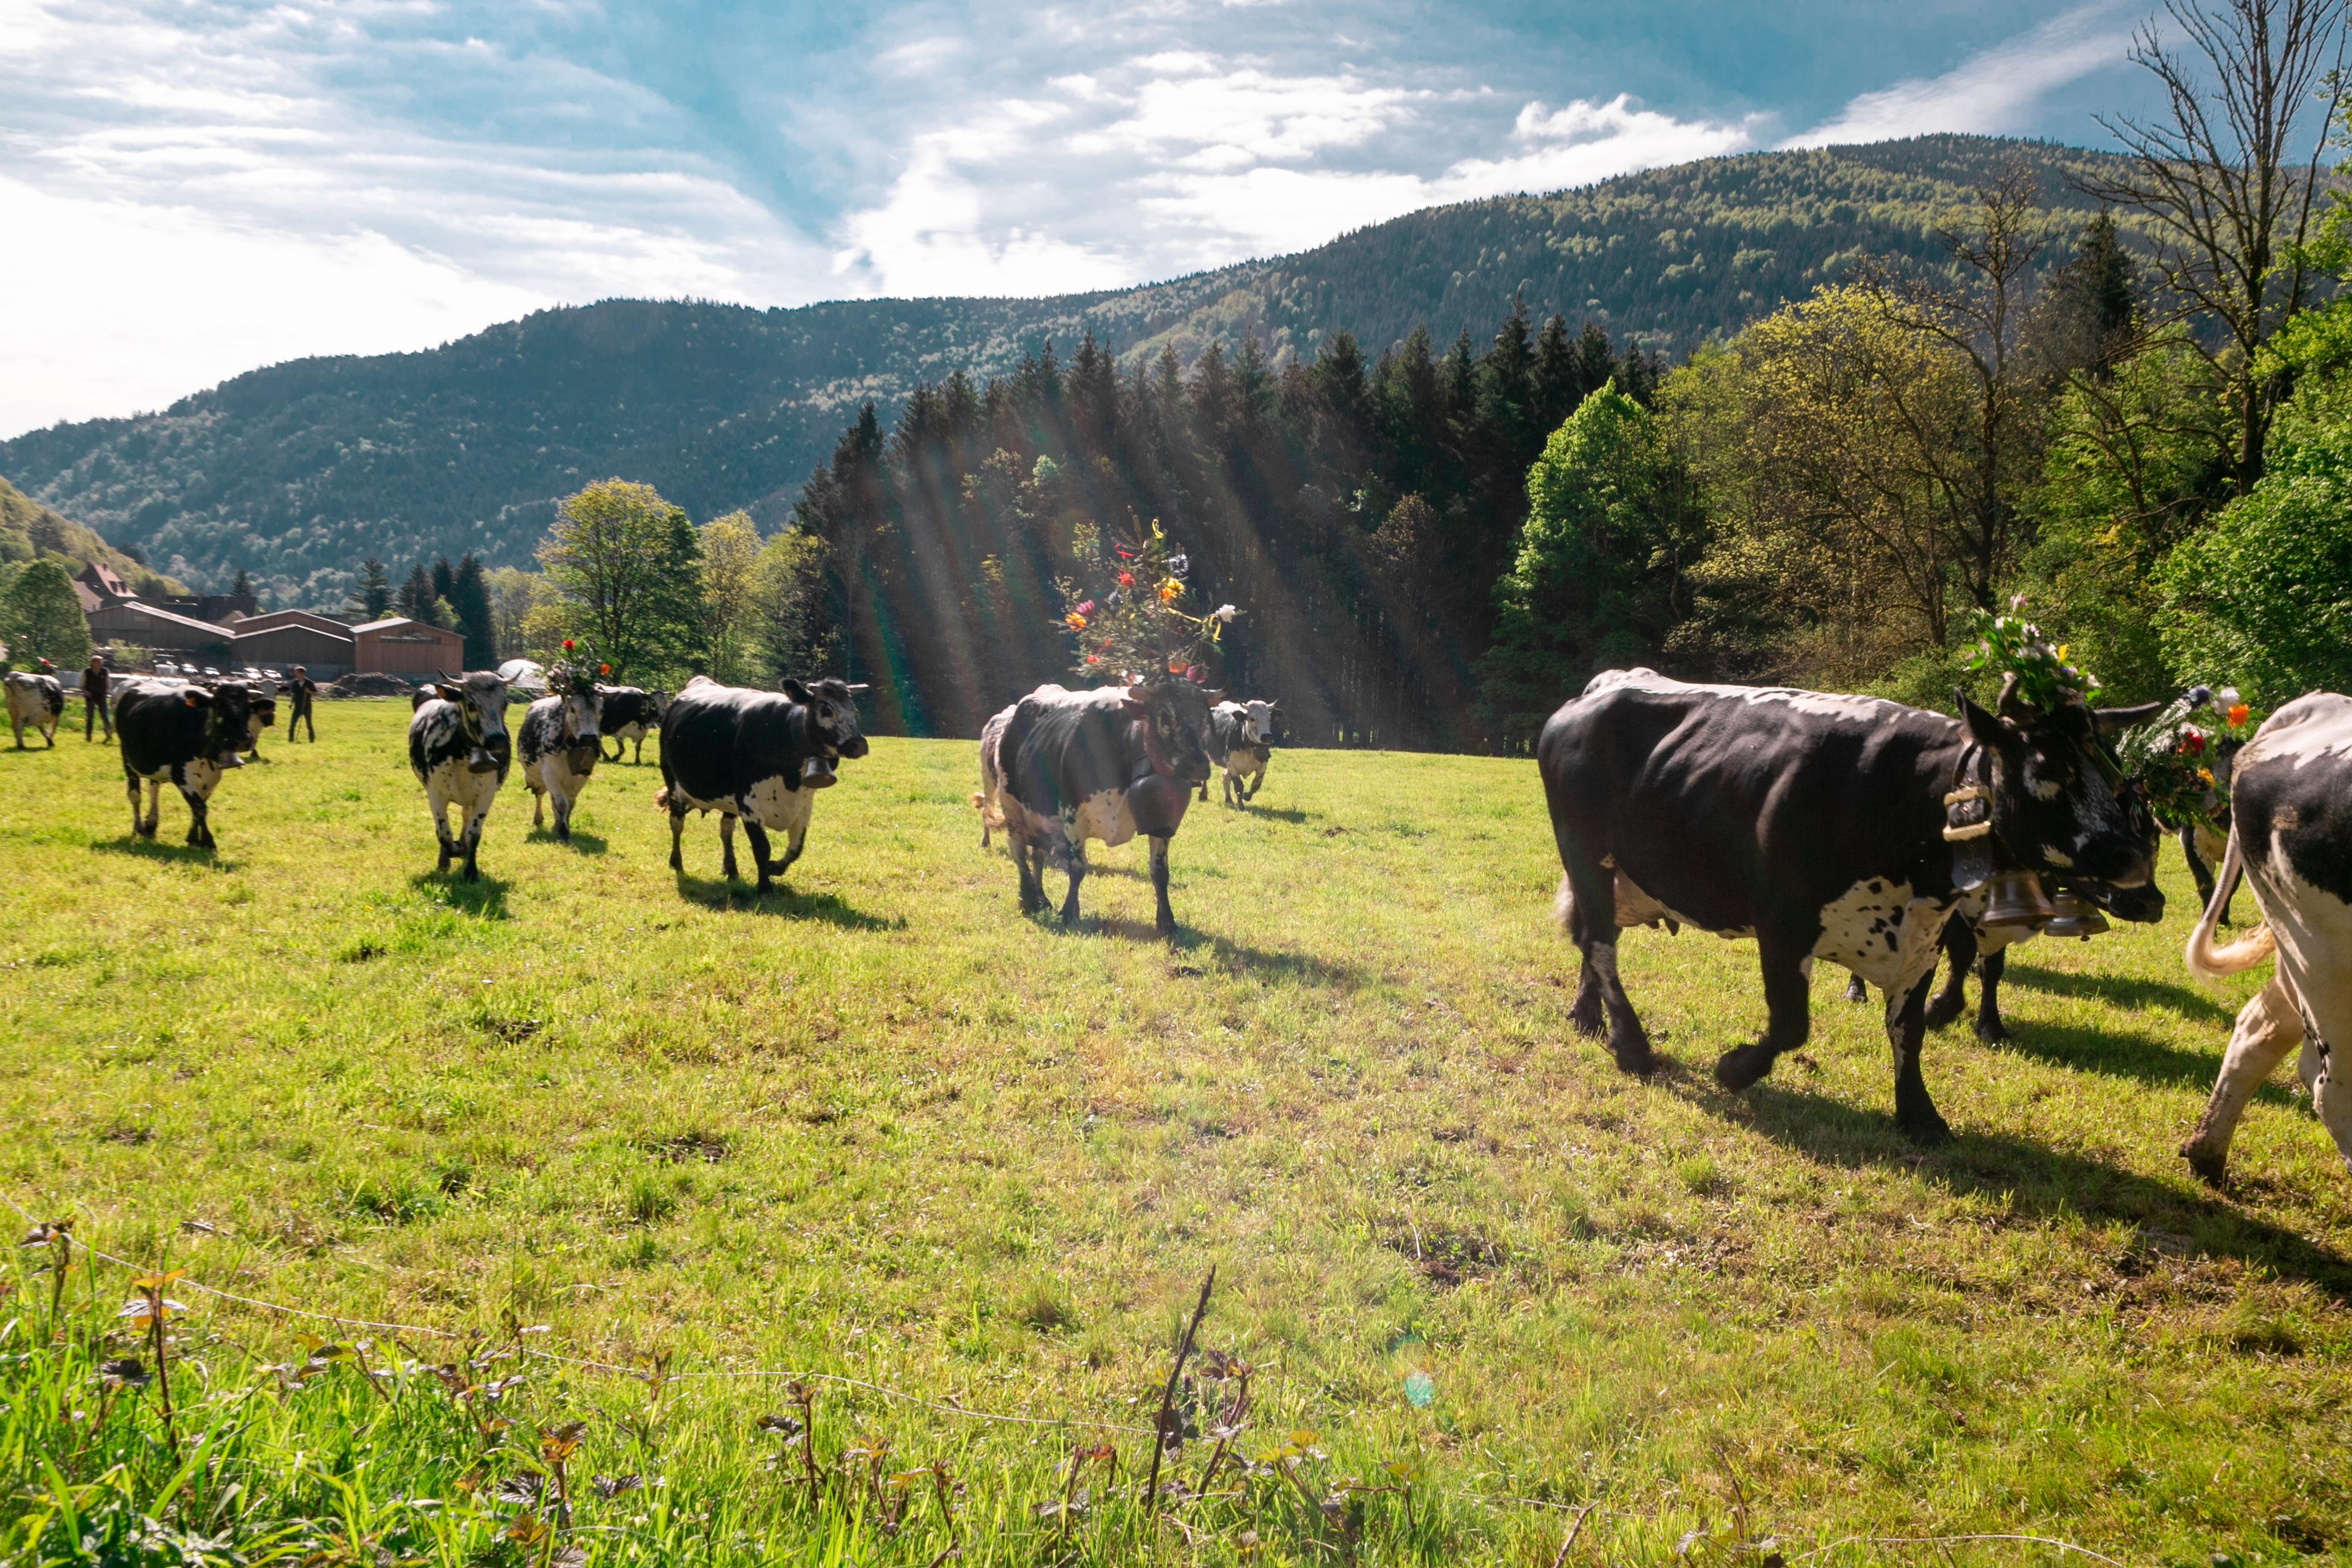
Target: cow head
827, 715
229, 713
1174, 715
480, 699
1258, 722
2061, 803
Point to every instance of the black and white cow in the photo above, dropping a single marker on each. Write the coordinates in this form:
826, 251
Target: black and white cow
990, 800
38, 701
261, 718
459, 750
1816, 825
188, 734
1240, 741
630, 714
1106, 763
758, 755
560, 749
2291, 838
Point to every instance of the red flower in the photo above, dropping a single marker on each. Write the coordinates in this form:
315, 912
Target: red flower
1126, 579
2193, 744
567, 645
604, 669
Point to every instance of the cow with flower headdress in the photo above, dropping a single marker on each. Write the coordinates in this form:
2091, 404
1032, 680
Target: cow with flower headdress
561, 744
1060, 767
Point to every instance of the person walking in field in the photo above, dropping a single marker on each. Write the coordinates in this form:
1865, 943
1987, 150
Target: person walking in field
94, 711
299, 691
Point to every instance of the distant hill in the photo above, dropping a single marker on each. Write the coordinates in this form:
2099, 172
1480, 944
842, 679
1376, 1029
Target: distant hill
299, 471
29, 531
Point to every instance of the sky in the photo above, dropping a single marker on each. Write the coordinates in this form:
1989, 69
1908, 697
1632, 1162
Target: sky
193, 188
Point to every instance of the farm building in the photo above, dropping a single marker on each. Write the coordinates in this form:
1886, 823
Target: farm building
144, 626
399, 645
280, 639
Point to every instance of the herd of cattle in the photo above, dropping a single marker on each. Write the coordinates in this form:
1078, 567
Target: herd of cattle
1846, 829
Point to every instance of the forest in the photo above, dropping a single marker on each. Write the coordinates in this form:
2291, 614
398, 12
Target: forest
296, 473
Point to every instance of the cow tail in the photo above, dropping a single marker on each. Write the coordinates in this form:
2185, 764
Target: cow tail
661, 798
1563, 903
2203, 958
990, 818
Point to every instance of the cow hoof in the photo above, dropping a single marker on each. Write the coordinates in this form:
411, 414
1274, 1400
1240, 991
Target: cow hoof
1743, 1066
1940, 1012
1924, 1127
1587, 1018
1992, 1034
2213, 1169
1855, 991
1635, 1058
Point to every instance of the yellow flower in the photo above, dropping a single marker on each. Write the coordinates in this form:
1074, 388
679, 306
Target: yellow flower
1170, 590
1074, 621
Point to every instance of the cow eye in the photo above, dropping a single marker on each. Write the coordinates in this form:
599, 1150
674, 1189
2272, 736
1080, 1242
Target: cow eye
824, 712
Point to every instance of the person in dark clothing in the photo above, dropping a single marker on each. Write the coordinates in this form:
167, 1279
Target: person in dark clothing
94, 711
298, 692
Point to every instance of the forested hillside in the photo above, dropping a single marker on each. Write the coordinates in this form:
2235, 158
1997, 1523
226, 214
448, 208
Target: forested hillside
298, 472
31, 531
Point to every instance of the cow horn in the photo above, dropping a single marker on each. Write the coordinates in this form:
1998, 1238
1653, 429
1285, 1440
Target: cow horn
2010, 706
860, 686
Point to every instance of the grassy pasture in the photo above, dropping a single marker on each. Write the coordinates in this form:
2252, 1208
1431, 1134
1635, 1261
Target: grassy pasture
879, 1125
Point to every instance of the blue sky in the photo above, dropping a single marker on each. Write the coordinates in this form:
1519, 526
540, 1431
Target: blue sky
190, 188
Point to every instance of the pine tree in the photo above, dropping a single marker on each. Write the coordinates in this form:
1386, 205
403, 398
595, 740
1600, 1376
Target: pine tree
243, 586
416, 596
477, 618
445, 580
371, 600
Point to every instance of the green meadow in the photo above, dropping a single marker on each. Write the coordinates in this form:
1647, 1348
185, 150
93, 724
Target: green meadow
875, 1157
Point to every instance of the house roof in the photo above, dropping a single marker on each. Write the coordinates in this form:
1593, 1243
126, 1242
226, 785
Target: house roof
270, 620
392, 623
100, 576
135, 607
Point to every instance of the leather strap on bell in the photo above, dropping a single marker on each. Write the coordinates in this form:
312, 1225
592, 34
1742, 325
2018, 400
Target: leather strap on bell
1968, 822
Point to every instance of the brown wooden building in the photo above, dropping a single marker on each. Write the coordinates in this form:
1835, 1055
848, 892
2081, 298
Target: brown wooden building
399, 645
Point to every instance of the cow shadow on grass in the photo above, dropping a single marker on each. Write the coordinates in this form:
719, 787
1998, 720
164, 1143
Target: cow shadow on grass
2041, 1182
582, 843
1236, 957
781, 901
484, 898
165, 850
1289, 813
2122, 991
2123, 1053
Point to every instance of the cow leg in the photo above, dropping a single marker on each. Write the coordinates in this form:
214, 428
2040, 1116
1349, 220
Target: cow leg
636, 757
677, 839
1907, 1031
616, 749
757, 837
1075, 864
1855, 991
1788, 1012
2196, 869
2268, 1028
1592, 925
538, 801
475, 818
1961, 946
200, 832
727, 845
1029, 860
130, 788
562, 804
1163, 916
155, 808
1990, 1028
1256, 782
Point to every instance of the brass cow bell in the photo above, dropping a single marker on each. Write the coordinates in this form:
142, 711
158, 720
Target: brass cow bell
2076, 916
2015, 898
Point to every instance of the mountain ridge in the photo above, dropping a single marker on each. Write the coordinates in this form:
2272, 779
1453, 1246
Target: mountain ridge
296, 471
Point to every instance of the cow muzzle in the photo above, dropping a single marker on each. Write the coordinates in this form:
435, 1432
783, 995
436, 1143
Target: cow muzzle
817, 772
2142, 905
231, 759
480, 761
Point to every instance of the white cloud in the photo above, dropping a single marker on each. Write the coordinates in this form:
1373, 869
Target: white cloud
1993, 92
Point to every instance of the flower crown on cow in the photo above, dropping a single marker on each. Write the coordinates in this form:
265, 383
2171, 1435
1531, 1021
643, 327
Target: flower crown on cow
2173, 757
1129, 621
2014, 648
568, 679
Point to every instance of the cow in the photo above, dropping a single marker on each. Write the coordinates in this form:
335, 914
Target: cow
1241, 737
560, 747
187, 733
261, 718
38, 701
1106, 763
2291, 838
630, 714
1824, 826
460, 750
758, 755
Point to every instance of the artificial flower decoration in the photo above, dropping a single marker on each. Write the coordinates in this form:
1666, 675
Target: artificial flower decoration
1126, 579
2174, 761
2010, 645
2238, 714
1131, 615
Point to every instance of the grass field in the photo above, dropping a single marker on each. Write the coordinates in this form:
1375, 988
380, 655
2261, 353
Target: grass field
879, 1126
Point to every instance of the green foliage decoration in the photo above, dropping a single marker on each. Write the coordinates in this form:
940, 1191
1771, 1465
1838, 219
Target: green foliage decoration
2010, 644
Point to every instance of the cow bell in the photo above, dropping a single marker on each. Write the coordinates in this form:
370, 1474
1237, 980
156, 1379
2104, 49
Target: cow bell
2076, 916
817, 773
2015, 898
